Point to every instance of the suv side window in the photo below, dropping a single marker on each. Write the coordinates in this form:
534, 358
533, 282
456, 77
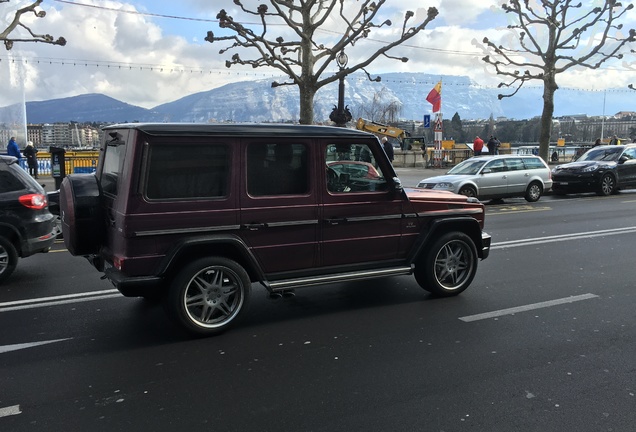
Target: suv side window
9, 182
352, 168
277, 169
187, 171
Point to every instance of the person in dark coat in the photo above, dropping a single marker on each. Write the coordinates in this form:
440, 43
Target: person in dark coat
493, 145
30, 153
388, 148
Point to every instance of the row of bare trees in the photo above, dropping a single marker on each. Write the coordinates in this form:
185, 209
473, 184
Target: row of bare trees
548, 38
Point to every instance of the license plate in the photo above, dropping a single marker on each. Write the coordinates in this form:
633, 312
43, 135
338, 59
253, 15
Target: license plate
562, 183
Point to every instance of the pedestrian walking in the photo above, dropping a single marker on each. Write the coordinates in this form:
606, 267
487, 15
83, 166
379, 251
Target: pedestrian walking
615, 141
597, 142
30, 153
13, 149
478, 146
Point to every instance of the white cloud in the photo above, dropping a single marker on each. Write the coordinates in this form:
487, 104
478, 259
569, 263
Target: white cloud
148, 60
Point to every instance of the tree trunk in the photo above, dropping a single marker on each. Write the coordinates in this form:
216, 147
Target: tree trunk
307, 93
549, 87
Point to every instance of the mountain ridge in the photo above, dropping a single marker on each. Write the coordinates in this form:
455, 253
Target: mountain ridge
258, 101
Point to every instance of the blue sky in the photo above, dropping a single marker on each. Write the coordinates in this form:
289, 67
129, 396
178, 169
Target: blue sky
147, 60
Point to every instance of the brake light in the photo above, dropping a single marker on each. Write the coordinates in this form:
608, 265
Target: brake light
33, 201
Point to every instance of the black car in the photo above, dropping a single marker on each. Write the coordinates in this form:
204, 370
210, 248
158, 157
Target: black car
602, 169
26, 225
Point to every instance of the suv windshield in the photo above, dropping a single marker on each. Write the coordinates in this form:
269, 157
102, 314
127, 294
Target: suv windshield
468, 167
602, 154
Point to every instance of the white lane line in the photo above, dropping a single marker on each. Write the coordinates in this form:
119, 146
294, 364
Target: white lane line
562, 237
526, 308
60, 297
33, 305
10, 410
16, 347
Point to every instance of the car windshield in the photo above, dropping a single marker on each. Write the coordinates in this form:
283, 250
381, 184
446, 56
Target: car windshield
602, 154
467, 167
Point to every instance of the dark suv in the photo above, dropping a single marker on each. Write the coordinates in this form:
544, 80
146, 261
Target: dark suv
26, 225
195, 213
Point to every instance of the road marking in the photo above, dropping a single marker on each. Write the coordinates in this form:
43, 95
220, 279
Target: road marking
9, 411
16, 347
562, 237
58, 300
511, 311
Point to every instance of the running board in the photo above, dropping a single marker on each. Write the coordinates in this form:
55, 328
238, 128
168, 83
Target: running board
334, 278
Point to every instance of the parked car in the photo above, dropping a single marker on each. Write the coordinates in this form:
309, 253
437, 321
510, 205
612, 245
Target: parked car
195, 213
494, 177
602, 169
26, 225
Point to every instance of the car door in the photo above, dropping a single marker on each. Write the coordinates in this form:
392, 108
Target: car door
517, 176
279, 210
627, 169
493, 180
361, 220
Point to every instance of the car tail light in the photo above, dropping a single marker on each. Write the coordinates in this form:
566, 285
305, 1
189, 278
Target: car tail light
117, 262
34, 201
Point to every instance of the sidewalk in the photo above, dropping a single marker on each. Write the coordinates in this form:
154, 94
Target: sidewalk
47, 181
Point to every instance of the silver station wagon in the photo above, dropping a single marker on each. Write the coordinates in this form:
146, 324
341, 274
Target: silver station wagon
495, 177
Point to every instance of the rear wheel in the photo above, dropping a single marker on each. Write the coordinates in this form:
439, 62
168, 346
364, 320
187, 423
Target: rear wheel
449, 266
534, 191
607, 186
208, 295
8, 258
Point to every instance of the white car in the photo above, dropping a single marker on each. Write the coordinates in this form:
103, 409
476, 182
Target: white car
495, 177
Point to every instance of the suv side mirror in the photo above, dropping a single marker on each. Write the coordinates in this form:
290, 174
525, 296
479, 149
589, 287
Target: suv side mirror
486, 171
623, 159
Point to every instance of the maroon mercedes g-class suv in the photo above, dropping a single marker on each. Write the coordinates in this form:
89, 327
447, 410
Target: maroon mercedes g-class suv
195, 213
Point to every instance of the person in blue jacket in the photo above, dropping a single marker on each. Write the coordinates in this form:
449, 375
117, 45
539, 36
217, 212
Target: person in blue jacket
13, 149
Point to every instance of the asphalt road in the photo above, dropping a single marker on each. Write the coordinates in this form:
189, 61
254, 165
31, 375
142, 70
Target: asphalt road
543, 340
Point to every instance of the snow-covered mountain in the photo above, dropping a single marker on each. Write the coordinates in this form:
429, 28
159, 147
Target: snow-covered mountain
257, 101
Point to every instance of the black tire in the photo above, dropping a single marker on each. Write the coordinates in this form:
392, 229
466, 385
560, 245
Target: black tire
607, 185
83, 225
534, 192
8, 258
208, 295
449, 266
469, 191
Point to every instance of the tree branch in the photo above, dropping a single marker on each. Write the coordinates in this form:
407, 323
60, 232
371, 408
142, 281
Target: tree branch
15, 23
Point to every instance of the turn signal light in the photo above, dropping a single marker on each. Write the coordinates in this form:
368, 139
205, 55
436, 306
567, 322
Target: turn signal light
34, 201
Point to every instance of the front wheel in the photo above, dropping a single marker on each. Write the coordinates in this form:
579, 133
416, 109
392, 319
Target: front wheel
607, 186
8, 258
468, 191
208, 295
449, 266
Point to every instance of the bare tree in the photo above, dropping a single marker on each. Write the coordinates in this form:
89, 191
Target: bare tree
304, 59
8, 40
552, 37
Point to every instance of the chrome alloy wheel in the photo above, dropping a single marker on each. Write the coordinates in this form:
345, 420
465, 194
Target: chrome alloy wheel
213, 297
454, 264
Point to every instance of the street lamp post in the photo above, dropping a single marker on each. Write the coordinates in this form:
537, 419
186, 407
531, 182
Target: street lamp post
340, 114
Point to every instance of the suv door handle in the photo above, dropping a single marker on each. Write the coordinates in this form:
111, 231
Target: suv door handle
255, 226
335, 221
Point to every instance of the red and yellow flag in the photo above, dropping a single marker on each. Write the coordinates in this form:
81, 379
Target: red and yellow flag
435, 97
